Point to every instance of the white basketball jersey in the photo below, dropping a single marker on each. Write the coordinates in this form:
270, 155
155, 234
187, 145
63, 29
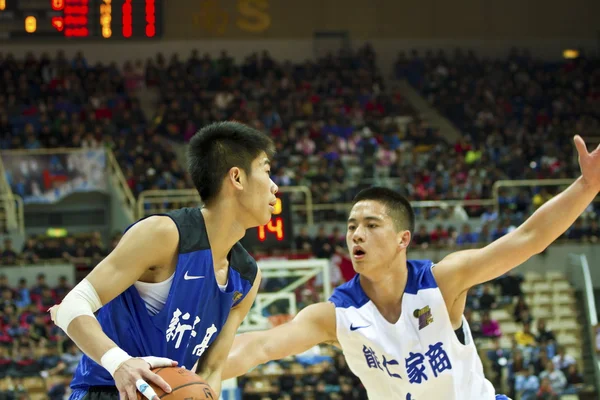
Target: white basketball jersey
417, 358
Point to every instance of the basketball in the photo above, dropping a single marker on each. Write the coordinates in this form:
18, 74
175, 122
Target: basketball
184, 384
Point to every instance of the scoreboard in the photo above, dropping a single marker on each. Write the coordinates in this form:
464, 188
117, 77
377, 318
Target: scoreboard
278, 233
80, 19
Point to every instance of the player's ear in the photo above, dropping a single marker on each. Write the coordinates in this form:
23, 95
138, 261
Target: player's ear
403, 239
236, 177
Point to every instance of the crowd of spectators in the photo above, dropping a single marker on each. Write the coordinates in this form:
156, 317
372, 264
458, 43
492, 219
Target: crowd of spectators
517, 115
318, 113
58, 103
536, 366
83, 250
31, 347
337, 126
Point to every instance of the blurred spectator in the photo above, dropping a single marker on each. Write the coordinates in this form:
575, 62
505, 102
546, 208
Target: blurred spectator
527, 384
487, 301
466, 237
557, 378
510, 286
524, 337
322, 247
303, 241
23, 297
574, 380
499, 359
489, 327
517, 366
421, 238
62, 289
519, 308
544, 334
38, 330
50, 359
8, 255
546, 391
562, 360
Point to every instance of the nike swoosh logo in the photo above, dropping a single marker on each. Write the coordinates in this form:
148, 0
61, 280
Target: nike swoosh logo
190, 277
353, 328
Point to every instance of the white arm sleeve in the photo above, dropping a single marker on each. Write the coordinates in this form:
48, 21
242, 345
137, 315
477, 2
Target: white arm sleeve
82, 300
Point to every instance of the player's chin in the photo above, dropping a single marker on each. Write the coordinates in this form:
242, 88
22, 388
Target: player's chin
263, 220
359, 266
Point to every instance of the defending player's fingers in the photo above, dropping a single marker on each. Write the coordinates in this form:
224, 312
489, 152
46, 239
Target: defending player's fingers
145, 389
157, 380
159, 362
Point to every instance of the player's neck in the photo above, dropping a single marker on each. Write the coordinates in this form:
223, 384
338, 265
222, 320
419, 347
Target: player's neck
386, 288
223, 231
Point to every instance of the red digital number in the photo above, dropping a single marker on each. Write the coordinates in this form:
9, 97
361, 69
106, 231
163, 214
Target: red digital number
58, 5
274, 226
127, 19
77, 32
75, 20
58, 23
150, 18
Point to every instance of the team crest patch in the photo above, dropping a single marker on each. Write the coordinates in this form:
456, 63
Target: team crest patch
237, 296
424, 316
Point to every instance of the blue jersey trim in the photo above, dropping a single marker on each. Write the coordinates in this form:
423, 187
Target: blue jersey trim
351, 294
420, 276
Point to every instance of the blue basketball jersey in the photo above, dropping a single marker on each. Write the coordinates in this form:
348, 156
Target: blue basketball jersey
194, 313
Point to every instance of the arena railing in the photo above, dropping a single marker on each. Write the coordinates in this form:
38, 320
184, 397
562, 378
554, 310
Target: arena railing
118, 179
4, 185
11, 206
494, 201
498, 185
160, 201
345, 207
152, 201
12, 216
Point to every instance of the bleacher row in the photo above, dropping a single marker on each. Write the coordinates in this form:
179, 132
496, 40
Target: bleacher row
551, 297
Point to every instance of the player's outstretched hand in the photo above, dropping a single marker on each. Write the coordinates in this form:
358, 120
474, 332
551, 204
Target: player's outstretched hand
135, 374
588, 162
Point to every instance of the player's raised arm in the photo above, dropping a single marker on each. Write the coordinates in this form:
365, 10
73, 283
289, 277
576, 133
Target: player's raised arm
313, 325
152, 242
465, 269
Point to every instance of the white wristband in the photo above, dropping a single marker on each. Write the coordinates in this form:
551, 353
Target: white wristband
113, 358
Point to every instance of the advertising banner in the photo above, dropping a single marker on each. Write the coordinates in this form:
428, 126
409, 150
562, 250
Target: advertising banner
49, 177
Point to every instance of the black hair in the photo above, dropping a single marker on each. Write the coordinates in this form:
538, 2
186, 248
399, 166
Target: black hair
220, 146
397, 206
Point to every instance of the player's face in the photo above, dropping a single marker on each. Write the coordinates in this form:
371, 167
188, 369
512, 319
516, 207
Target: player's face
258, 198
372, 239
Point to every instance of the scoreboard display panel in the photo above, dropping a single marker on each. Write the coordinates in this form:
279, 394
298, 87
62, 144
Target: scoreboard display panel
277, 233
80, 19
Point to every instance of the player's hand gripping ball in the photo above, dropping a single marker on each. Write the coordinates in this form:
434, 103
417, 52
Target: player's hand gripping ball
184, 384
